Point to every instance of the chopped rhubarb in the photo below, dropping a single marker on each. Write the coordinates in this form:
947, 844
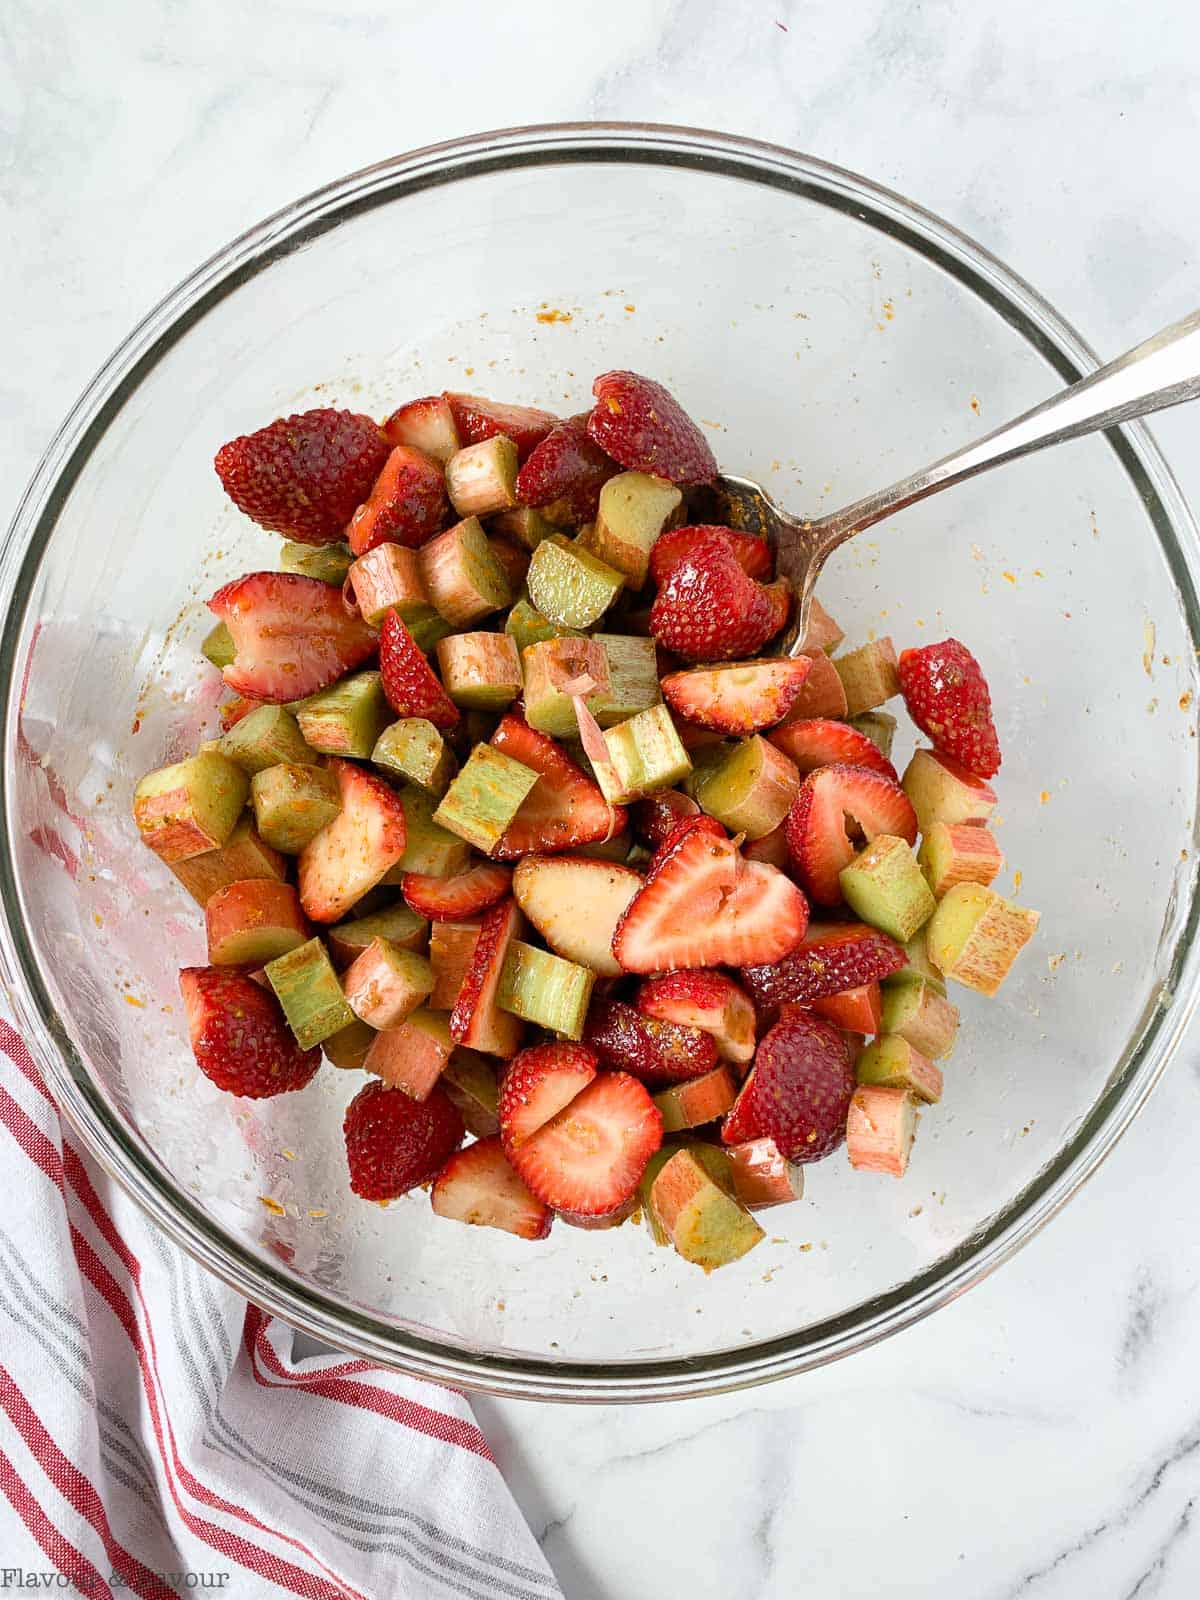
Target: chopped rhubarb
880, 1129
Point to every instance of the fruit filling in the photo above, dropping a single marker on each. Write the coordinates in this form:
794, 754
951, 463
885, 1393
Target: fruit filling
516, 812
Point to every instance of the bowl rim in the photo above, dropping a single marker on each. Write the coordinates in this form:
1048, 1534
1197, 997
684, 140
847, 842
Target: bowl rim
309, 1310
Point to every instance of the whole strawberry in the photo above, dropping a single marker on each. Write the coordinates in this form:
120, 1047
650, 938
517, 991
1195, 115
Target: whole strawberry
947, 697
710, 610
305, 475
394, 1143
239, 1036
799, 1090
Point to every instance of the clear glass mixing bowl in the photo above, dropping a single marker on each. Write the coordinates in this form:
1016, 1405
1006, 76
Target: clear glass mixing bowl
831, 335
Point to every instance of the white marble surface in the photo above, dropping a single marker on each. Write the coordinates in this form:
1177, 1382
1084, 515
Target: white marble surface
1042, 1436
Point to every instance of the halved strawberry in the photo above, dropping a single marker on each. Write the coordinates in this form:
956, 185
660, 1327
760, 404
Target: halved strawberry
702, 905
947, 697
711, 1001
394, 1143
476, 1020
239, 1036
589, 1158
858, 1010
406, 506
536, 1086
659, 814
737, 696
426, 424
477, 1185
409, 682
820, 742
641, 425
564, 475
477, 419
575, 903
565, 807
659, 1052
291, 635
799, 1091
816, 824
753, 554
708, 609
353, 852
832, 958
456, 899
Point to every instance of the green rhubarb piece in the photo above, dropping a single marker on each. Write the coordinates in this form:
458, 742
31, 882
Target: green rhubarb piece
526, 625
396, 923
919, 969
714, 1160
634, 510
462, 575
469, 1080
190, 807
245, 854
527, 526
869, 676
569, 585
697, 1101
632, 678
879, 727
307, 988
644, 755
548, 666
704, 1222
545, 989
414, 749
749, 787
893, 1063
975, 935
218, 646
426, 631
429, 848
920, 1013
885, 887
485, 797
347, 719
263, 738
481, 478
481, 671
328, 562
292, 802
347, 1048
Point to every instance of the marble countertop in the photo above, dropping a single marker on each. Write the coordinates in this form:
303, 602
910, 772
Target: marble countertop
1041, 1437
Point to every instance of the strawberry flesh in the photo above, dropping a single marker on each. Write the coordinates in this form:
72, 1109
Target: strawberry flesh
947, 697
394, 1143
753, 554
821, 742
536, 1086
303, 475
816, 823
564, 475
473, 1017
292, 635
641, 425
353, 852
239, 1036
708, 609
711, 1001
456, 899
478, 419
833, 957
658, 1051
737, 697
406, 506
565, 807
477, 1185
799, 1091
589, 1158
409, 682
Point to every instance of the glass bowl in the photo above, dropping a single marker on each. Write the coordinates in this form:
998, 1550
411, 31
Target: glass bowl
830, 335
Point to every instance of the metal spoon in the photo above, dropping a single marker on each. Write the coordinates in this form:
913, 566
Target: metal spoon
1164, 371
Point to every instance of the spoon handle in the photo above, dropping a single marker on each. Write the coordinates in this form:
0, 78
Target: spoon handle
1163, 371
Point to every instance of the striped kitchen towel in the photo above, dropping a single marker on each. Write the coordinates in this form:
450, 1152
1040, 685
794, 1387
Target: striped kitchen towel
157, 1436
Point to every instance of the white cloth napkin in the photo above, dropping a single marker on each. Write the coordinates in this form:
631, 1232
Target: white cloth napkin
157, 1437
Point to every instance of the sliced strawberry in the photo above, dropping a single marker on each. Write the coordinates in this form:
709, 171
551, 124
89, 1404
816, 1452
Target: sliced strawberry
947, 697
858, 1010
303, 475
536, 1086
476, 1019
695, 998
477, 1185
409, 682
641, 425
478, 419
358, 848
291, 635
564, 475
820, 742
394, 1143
702, 905
565, 807
832, 958
406, 506
239, 1036
426, 424
708, 609
799, 1091
456, 899
816, 824
657, 816
753, 554
737, 696
658, 1052
589, 1158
